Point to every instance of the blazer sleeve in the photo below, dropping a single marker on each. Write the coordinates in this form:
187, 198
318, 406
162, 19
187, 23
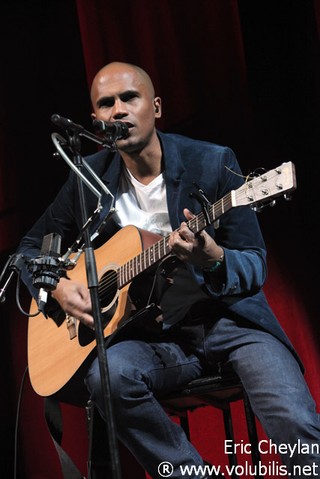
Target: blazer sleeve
243, 271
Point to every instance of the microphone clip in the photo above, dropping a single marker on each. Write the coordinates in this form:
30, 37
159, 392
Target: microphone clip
46, 272
111, 132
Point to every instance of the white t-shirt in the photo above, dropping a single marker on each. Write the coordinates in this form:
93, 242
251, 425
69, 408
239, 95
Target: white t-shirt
144, 206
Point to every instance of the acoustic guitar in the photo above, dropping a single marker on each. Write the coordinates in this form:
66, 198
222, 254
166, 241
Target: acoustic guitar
55, 353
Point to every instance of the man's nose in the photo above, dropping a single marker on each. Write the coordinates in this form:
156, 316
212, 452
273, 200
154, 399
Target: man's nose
119, 110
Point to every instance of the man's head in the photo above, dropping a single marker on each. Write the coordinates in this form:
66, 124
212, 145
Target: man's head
122, 91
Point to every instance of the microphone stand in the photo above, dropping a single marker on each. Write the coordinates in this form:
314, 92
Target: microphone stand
92, 278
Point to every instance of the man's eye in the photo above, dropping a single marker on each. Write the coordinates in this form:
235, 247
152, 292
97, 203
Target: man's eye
106, 104
128, 96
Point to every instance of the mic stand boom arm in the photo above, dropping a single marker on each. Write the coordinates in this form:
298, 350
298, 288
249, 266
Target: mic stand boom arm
92, 278
59, 140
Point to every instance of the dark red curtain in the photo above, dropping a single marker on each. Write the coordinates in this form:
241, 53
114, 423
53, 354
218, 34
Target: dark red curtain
191, 53
242, 75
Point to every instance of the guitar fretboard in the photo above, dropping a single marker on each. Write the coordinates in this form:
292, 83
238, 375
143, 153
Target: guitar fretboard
148, 257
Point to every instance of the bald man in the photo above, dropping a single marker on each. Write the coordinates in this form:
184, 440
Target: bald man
210, 307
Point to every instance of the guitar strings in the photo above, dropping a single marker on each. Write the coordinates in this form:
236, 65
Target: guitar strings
107, 285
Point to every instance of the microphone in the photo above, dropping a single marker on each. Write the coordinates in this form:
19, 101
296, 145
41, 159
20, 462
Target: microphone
46, 268
66, 124
112, 130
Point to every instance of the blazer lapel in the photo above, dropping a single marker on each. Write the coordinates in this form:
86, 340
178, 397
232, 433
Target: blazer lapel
173, 172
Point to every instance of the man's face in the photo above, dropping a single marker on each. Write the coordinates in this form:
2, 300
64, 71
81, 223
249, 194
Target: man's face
122, 93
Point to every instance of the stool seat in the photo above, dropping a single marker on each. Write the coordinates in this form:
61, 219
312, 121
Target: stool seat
216, 390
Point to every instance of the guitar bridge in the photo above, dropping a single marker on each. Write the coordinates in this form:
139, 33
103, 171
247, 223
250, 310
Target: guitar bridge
71, 326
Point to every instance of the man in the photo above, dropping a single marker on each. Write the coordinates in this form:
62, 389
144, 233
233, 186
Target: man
213, 313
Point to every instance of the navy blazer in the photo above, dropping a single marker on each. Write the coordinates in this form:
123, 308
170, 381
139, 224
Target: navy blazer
215, 169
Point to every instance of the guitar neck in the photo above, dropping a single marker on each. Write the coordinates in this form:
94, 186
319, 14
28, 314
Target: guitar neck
254, 192
160, 249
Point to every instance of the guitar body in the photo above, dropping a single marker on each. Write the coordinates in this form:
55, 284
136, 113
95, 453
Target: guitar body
53, 358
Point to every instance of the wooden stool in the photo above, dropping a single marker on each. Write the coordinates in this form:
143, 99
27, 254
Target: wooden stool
218, 391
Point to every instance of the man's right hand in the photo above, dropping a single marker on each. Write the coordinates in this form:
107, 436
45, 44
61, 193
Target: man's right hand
74, 299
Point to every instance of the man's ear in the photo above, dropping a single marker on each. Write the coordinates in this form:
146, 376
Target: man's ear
157, 107
93, 116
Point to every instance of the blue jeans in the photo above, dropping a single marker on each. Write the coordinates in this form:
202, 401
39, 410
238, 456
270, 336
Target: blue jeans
269, 372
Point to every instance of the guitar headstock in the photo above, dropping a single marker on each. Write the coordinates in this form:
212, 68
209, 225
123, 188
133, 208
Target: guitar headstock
264, 188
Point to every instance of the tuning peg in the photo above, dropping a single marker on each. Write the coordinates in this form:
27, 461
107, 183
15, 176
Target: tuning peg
287, 197
272, 203
257, 207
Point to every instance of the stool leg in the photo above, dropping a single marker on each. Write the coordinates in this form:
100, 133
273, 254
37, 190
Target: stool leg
184, 422
252, 432
228, 427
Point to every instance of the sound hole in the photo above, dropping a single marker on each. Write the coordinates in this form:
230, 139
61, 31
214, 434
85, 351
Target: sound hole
108, 289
